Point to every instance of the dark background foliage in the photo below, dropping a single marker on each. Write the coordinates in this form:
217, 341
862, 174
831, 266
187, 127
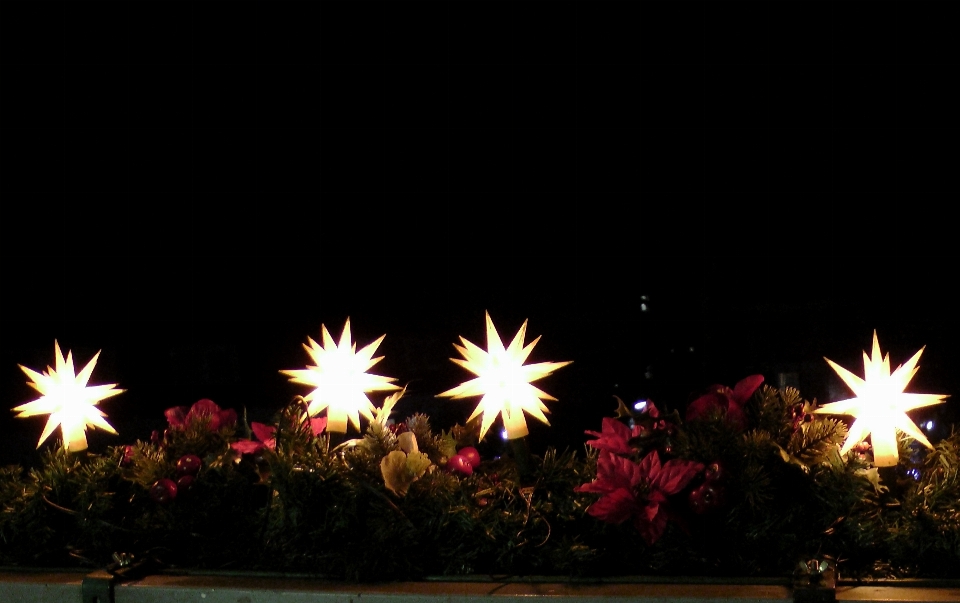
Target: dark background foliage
675, 193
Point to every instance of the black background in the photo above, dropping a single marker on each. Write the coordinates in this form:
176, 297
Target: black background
194, 187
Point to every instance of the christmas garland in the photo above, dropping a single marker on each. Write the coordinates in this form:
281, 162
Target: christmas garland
736, 490
751, 481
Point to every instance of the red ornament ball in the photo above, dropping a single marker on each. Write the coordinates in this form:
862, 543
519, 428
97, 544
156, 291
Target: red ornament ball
459, 464
163, 491
189, 464
470, 453
705, 498
185, 484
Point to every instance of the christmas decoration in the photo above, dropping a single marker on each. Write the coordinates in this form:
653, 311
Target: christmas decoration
638, 492
185, 484
69, 401
189, 464
400, 468
203, 412
504, 381
880, 405
720, 398
753, 484
706, 497
471, 454
340, 379
460, 464
163, 491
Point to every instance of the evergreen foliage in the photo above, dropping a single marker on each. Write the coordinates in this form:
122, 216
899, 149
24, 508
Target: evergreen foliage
783, 493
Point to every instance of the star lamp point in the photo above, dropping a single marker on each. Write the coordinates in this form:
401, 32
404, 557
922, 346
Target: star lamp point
880, 406
66, 397
503, 381
340, 379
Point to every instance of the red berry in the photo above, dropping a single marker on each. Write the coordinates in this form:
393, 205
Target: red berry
470, 453
705, 497
189, 464
459, 464
163, 491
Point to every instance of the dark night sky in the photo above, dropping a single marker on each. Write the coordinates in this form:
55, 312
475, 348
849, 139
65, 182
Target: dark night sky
194, 187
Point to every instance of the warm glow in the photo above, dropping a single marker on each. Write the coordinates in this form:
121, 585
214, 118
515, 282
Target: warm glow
880, 406
68, 400
340, 379
504, 381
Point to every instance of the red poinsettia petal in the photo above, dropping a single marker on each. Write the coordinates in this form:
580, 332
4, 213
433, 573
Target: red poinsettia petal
205, 410
613, 472
228, 418
675, 474
735, 416
649, 467
176, 415
745, 388
705, 405
615, 507
204, 407
263, 431
651, 528
318, 425
246, 446
614, 437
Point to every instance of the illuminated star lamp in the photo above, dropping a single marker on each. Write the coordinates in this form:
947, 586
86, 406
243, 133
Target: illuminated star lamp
503, 381
68, 400
340, 379
880, 406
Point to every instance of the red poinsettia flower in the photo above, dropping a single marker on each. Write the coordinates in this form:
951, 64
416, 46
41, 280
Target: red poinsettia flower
180, 418
266, 434
614, 436
730, 401
638, 491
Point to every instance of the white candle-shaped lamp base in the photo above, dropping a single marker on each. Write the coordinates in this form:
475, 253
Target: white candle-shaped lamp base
74, 435
336, 421
884, 441
515, 423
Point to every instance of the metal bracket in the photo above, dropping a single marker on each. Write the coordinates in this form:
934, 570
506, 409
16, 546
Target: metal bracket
97, 588
815, 581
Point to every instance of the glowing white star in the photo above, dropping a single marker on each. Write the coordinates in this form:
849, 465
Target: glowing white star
68, 400
504, 381
880, 406
340, 379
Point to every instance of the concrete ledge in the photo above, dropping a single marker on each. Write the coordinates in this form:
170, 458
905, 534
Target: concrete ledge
44, 587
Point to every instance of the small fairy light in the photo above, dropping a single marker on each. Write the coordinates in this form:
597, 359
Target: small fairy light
504, 381
880, 405
69, 401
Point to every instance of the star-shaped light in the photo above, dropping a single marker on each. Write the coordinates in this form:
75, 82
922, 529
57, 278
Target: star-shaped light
504, 381
68, 400
340, 379
880, 406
